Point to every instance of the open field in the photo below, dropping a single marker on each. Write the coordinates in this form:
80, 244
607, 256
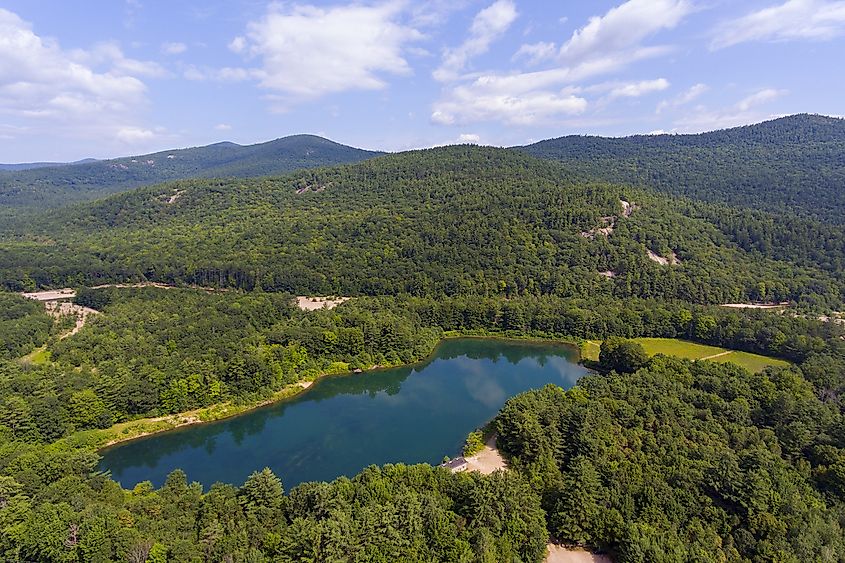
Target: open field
692, 351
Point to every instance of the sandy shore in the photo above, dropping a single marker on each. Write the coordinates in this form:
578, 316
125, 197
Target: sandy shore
487, 460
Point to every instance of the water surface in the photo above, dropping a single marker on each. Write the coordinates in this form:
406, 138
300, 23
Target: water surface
342, 424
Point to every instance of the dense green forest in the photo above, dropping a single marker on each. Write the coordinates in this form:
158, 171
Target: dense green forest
649, 459
683, 461
56, 186
776, 435
788, 165
447, 221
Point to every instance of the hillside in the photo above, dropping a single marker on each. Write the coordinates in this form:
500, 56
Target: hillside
33, 165
54, 186
453, 220
794, 164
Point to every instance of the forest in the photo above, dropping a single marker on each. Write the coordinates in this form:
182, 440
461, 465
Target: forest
448, 221
646, 459
604, 464
791, 165
57, 186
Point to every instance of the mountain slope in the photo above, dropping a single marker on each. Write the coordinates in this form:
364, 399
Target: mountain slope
59, 185
453, 220
794, 163
33, 165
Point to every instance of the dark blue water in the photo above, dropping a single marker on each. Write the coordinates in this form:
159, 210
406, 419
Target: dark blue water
343, 424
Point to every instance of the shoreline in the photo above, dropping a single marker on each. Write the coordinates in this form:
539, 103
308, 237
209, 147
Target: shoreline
122, 432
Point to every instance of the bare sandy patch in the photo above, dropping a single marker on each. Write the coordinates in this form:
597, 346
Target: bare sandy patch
313, 303
487, 460
628, 208
51, 295
673, 259
608, 274
560, 554
756, 305
60, 309
305, 384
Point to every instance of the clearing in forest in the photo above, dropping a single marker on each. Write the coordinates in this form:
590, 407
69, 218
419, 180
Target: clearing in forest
692, 351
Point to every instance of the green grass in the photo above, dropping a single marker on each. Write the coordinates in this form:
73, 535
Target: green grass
590, 350
678, 348
692, 351
751, 362
38, 356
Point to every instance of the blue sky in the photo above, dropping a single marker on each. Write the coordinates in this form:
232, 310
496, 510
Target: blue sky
104, 78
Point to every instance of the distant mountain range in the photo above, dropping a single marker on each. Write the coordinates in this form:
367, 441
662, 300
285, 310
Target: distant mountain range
57, 185
794, 163
33, 165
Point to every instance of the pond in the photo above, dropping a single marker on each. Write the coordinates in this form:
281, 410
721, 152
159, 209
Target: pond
414, 414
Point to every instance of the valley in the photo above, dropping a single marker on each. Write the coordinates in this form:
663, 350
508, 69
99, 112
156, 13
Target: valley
335, 332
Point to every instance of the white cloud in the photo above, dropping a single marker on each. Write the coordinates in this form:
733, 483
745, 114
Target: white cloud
759, 98
307, 52
487, 26
467, 105
238, 44
743, 112
536, 52
606, 44
223, 127
469, 138
173, 48
92, 93
637, 89
133, 135
684, 98
624, 26
111, 55
794, 19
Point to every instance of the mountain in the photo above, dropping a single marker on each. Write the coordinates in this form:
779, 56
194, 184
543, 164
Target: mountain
54, 186
33, 165
440, 221
791, 164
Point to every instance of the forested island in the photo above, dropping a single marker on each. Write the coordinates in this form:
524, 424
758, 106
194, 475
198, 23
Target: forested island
648, 458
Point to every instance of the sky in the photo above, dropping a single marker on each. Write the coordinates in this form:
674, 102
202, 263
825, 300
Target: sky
107, 78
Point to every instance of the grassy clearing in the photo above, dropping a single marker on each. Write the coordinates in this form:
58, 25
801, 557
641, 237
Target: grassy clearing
590, 350
691, 351
751, 362
678, 348
38, 356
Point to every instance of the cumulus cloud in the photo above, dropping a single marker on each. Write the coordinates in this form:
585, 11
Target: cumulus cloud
222, 127
57, 90
685, 98
794, 19
133, 135
623, 27
747, 110
535, 52
637, 89
307, 52
606, 44
759, 98
469, 138
468, 104
487, 26
173, 48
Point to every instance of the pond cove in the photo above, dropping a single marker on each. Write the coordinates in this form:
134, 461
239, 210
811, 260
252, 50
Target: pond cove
414, 414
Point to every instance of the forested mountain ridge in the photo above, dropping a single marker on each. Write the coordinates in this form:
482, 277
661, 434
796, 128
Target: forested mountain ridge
55, 186
451, 220
793, 164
